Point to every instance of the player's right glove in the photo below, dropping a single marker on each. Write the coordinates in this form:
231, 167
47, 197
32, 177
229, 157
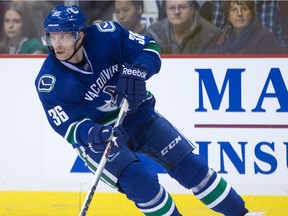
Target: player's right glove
99, 136
132, 85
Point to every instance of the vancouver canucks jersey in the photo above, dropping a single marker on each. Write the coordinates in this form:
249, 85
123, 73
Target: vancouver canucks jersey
75, 97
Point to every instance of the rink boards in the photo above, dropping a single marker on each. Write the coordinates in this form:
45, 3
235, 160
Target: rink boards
234, 110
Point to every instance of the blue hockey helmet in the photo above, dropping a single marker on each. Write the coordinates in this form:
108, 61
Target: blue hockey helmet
65, 19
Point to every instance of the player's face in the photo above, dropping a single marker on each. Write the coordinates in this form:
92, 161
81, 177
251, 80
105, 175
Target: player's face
239, 16
127, 14
179, 12
13, 24
63, 44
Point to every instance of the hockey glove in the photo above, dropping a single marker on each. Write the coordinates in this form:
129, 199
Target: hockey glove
99, 136
131, 84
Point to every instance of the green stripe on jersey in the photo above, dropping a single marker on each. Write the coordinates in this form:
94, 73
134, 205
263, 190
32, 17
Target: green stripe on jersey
70, 134
106, 119
109, 117
152, 45
104, 177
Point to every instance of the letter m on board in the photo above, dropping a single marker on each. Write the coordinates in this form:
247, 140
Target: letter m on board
232, 82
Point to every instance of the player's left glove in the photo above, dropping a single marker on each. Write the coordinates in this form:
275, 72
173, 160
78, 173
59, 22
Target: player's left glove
132, 85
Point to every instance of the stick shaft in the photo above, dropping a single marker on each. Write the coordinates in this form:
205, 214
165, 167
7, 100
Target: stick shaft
103, 161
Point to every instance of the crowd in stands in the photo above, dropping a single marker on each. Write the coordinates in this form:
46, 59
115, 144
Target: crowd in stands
179, 26
19, 34
183, 30
243, 32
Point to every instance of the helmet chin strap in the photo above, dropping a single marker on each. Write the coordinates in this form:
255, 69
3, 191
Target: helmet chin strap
75, 49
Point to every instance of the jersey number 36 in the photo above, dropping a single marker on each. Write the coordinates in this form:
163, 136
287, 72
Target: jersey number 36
58, 115
137, 37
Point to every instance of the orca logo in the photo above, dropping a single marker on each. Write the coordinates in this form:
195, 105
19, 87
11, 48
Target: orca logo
110, 105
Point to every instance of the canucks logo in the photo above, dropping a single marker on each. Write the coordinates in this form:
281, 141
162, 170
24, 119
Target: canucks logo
106, 26
112, 156
46, 83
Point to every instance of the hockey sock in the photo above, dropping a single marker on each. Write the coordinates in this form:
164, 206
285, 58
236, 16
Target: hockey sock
162, 204
141, 185
218, 195
193, 173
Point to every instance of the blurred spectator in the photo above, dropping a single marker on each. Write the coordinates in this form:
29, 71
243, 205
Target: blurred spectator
161, 10
129, 13
218, 17
206, 9
183, 30
2, 8
268, 13
38, 11
19, 33
243, 32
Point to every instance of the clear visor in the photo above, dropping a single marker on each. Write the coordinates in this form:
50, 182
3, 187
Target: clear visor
60, 38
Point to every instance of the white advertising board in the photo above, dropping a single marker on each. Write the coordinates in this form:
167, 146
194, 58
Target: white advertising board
235, 111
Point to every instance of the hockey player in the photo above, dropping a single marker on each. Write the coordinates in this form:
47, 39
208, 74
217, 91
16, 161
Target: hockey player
81, 83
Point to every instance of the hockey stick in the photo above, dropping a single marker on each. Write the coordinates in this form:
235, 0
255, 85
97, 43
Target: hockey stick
103, 161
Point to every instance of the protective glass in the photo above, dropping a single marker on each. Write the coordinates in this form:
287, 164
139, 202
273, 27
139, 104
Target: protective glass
62, 39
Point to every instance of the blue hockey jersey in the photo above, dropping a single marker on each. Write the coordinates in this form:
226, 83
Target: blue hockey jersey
76, 98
